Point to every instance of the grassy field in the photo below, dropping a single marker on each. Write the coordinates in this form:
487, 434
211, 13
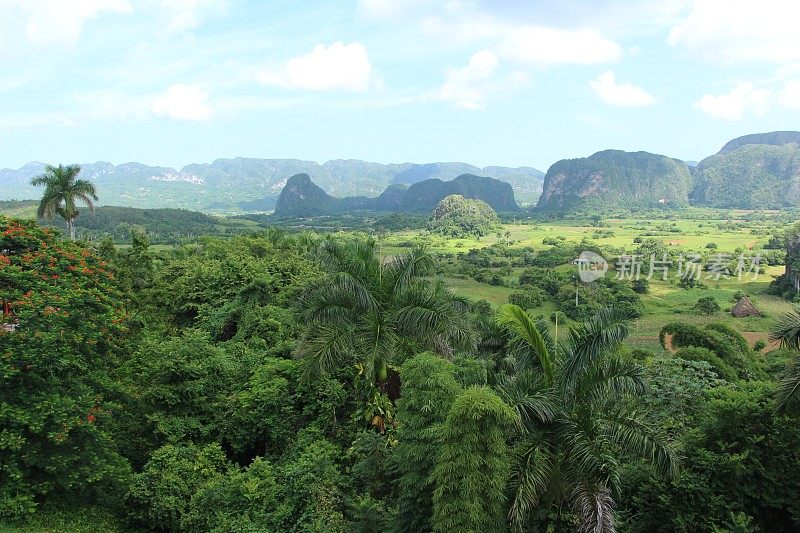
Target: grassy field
695, 228
666, 301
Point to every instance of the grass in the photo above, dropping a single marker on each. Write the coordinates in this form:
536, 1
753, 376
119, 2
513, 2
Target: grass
475, 290
727, 232
666, 302
61, 519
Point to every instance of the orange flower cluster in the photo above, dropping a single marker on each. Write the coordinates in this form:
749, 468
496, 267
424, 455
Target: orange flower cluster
14, 230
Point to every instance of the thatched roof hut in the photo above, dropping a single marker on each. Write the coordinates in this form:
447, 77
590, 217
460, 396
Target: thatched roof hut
744, 307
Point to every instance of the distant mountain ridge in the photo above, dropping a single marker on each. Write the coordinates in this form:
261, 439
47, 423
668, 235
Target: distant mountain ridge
228, 185
301, 197
774, 138
759, 171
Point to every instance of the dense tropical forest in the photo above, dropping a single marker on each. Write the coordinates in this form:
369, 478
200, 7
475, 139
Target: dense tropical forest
397, 372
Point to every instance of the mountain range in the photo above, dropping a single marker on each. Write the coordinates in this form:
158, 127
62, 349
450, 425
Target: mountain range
302, 197
248, 184
759, 171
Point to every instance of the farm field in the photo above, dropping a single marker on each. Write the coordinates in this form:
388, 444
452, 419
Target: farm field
665, 302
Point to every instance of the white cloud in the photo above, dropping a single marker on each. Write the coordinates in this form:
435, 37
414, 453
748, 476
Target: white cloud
789, 95
465, 87
620, 94
185, 15
183, 102
337, 66
54, 22
471, 86
733, 105
390, 9
549, 46
741, 30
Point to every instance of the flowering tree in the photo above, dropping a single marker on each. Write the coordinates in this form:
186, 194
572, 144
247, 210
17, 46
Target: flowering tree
54, 367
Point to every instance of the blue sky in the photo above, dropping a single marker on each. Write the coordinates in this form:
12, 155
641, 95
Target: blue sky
485, 82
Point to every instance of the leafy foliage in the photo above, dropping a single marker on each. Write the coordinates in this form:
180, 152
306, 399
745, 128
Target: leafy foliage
429, 389
66, 327
457, 216
473, 464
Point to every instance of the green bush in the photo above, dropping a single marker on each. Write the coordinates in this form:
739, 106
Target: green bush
249, 500
159, 496
722, 369
527, 299
707, 305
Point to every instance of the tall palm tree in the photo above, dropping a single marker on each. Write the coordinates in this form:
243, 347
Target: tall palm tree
573, 400
787, 331
371, 310
62, 192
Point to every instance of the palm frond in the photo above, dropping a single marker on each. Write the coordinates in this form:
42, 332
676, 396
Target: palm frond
533, 401
521, 324
49, 206
405, 268
595, 507
322, 349
534, 463
788, 393
359, 292
591, 340
787, 330
637, 438
608, 380
325, 303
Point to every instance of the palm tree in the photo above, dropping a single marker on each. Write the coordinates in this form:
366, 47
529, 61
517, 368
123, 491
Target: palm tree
576, 417
787, 331
371, 310
62, 190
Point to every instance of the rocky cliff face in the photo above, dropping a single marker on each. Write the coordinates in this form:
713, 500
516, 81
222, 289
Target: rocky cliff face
616, 179
301, 196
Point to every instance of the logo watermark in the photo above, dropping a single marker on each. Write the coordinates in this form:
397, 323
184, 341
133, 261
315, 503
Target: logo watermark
592, 266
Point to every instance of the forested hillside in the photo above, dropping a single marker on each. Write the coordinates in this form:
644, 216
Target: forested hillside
753, 176
161, 225
616, 179
301, 197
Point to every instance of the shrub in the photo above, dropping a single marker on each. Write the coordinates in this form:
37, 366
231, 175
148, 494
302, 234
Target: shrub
160, 495
527, 299
707, 305
722, 369
641, 286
